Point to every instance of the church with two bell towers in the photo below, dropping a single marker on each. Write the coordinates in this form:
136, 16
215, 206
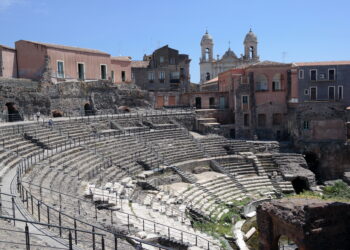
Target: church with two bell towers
211, 67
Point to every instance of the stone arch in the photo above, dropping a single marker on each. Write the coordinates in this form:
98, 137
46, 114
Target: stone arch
207, 53
277, 241
251, 51
88, 109
300, 184
261, 82
12, 112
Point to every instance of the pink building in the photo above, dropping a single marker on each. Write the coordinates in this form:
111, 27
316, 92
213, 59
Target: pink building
121, 69
58, 63
8, 62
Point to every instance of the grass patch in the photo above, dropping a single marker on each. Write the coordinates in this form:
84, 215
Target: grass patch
339, 191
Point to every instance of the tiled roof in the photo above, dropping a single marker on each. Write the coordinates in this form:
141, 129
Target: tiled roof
322, 63
268, 63
6, 47
121, 58
211, 80
139, 64
56, 46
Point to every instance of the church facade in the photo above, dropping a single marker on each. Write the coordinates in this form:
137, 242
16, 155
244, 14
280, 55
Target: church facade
211, 67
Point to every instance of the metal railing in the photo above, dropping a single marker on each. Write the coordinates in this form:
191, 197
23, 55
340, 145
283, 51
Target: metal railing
37, 204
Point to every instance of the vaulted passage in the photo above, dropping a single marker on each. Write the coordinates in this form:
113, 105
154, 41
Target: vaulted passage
88, 109
300, 185
13, 114
313, 163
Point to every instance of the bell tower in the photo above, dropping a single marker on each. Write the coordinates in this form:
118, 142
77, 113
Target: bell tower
205, 62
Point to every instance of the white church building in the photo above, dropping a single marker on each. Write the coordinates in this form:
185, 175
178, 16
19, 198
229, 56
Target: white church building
211, 67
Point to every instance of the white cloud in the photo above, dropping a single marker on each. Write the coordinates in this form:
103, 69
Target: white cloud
4, 4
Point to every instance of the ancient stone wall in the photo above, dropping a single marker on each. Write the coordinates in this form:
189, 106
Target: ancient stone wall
311, 224
69, 97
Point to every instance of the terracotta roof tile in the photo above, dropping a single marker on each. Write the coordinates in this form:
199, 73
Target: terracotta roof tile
268, 63
56, 46
139, 64
121, 58
215, 79
322, 63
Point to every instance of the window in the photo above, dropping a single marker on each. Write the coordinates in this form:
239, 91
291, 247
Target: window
331, 92
261, 120
103, 71
301, 74
277, 119
276, 86
123, 76
313, 75
262, 83
174, 77
331, 74
207, 76
112, 75
81, 71
306, 92
161, 59
246, 120
340, 92
150, 76
276, 82
172, 60
161, 76
60, 69
313, 93
306, 125
245, 99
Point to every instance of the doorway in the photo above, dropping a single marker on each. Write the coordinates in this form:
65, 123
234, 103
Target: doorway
81, 71
198, 103
211, 102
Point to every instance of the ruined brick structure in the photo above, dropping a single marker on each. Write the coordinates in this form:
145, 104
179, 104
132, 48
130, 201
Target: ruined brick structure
311, 224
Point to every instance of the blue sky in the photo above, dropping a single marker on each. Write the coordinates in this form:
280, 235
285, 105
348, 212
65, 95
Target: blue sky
307, 30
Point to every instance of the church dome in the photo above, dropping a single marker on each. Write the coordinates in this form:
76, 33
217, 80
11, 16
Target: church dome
229, 54
250, 37
206, 38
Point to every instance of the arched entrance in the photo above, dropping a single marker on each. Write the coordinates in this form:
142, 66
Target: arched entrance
313, 163
88, 109
12, 112
300, 185
198, 102
286, 244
